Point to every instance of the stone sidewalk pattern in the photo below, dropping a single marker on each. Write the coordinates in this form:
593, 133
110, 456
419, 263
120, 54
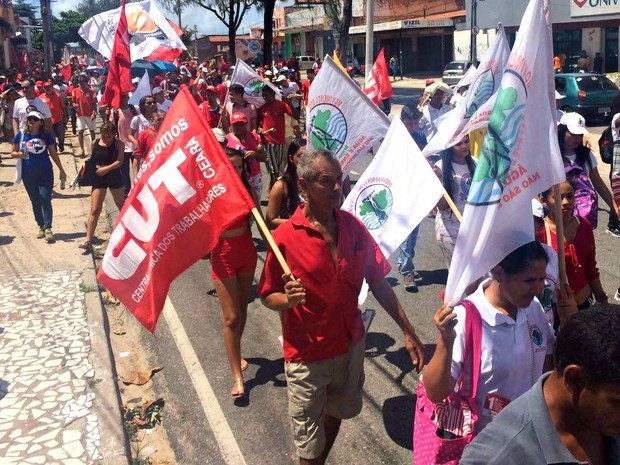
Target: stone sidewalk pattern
45, 402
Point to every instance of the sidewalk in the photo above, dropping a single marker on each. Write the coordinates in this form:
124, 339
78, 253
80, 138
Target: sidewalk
59, 402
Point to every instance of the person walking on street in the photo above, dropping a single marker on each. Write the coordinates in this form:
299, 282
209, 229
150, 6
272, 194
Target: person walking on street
58, 111
23, 106
329, 253
35, 146
433, 110
394, 67
597, 63
108, 153
84, 102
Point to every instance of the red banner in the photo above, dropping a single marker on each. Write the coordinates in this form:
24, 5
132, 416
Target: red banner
377, 85
119, 73
186, 195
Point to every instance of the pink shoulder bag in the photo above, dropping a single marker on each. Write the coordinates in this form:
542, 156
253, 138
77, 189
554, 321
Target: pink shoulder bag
441, 431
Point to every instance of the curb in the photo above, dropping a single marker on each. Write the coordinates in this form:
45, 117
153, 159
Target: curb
114, 448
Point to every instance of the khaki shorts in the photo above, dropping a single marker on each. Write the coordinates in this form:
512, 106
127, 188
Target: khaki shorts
328, 387
86, 122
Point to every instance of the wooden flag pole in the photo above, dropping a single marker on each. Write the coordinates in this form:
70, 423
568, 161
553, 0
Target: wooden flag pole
453, 207
269, 238
559, 232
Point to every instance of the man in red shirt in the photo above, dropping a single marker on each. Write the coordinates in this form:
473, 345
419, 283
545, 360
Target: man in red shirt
271, 126
305, 86
57, 108
329, 253
85, 103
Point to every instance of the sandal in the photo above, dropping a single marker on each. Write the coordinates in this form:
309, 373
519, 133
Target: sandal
238, 389
87, 246
244, 364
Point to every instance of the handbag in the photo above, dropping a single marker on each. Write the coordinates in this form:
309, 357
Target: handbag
87, 173
441, 431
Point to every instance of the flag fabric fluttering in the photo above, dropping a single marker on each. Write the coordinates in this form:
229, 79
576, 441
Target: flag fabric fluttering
377, 85
119, 72
186, 195
252, 83
397, 190
336, 59
142, 90
452, 126
520, 158
340, 117
149, 31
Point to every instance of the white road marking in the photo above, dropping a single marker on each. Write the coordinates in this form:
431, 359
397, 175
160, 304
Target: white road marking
223, 434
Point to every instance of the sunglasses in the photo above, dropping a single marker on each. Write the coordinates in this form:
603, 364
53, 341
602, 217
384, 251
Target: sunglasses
150, 102
34, 120
26, 87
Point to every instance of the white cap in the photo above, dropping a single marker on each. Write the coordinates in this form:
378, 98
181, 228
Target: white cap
281, 78
537, 209
156, 90
559, 96
219, 134
575, 123
36, 114
205, 69
268, 73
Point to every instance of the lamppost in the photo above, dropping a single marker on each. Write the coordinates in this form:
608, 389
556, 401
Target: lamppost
473, 52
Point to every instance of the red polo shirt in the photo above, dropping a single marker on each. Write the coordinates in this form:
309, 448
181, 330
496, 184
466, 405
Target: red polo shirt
272, 116
57, 106
329, 321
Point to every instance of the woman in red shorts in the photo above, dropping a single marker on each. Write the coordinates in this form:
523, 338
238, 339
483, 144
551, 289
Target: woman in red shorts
233, 261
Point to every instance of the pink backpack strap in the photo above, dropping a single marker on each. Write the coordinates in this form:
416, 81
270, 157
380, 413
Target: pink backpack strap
473, 346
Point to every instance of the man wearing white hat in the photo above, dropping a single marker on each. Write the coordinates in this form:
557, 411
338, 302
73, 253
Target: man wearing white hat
434, 109
163, 104
558, 103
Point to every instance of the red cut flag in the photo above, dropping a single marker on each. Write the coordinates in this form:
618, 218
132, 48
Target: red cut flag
119, 73
377, 85
187, 193
66, 71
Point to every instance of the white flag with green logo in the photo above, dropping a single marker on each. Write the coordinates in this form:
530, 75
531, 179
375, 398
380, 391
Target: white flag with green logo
252, 84
340, 117
520, 157
396, 191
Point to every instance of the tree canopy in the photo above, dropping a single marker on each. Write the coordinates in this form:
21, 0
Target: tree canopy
64, 30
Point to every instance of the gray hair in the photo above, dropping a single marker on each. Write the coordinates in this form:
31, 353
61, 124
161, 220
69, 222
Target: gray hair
305, 167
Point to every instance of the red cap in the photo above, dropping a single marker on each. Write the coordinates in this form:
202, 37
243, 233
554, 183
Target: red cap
39, 83
429, 82
211, 89
238, 117
48, 83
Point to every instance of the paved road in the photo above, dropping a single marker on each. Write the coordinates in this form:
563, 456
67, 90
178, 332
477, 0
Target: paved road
260, 425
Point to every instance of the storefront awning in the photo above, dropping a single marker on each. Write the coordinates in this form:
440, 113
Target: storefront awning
440, 20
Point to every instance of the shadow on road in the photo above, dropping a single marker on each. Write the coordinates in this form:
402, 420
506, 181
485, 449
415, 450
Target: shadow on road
433, 277
3, 214
398, 416
58, 195
69, 237
4, 388
6, 240
269, 371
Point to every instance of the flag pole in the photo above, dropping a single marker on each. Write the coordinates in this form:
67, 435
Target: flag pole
453, 207
559, 232
269, 238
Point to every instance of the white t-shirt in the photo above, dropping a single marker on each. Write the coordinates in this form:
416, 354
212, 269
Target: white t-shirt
20, 109
461, 181
508, 349
139, 123
429, 115
615, 130
593, 161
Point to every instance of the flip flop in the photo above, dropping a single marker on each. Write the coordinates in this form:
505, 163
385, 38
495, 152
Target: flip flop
244, 364
238, 388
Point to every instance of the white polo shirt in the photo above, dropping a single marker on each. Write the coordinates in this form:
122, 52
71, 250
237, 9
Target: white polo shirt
507, 348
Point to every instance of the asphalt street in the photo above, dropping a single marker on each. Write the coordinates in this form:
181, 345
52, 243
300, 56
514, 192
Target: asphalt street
381, 434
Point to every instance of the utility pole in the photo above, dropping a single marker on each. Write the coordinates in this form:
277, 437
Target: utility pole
179, 12
45, 24
473, 52
370, 14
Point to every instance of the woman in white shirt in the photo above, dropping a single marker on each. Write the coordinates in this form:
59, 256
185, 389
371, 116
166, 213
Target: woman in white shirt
455, 170
517, 341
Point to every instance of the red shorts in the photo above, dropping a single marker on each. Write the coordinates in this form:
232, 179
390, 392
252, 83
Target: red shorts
232, 256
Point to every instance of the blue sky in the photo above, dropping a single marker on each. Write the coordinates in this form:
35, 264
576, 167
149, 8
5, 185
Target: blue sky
204, 20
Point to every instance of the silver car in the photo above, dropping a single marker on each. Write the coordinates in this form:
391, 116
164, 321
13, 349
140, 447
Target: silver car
454, 71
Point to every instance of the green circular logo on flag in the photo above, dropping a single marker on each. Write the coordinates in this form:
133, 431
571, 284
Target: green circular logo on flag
327, 128
373, 205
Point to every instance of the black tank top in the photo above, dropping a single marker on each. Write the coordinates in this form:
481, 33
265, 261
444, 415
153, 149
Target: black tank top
104, 156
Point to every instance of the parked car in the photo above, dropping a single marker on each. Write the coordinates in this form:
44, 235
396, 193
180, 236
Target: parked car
454, 71
588, 94
305, 62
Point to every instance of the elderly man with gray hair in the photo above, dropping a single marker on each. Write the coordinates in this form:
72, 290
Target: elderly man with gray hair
329, 253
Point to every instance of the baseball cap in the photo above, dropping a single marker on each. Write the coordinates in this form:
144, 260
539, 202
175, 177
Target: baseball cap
49, 82
156, 90
36, 114
537, 209
429, 82
238, 117
284, 69
211, 89
268, 73
205, 69
349, 68
219, 134
559, 96
281, 78
575, 123
39, 84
